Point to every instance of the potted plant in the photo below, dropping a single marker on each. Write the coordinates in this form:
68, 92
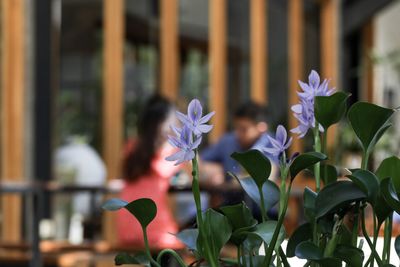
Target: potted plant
326, 238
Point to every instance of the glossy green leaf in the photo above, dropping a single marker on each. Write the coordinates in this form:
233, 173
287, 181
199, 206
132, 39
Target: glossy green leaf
329, 173
389, 194
265, 231
253, 260
345, 235
382, 208
390, 167
252, 244
367, 182
144, 210
354, 257
302, 233
217, 229
189, 238
309, 251
329, 110
309, 198
239, 215
369, 122
337, 195
114, 204
269, 188
241, 219
397, 245
304, 161
256, 164
124, 258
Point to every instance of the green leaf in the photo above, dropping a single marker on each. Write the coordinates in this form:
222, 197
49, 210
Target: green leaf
337, 195
217, 230
253, 260
397, 245
329, 110
390, 167
239, 215
269, 188
309, 204
329, 173
265, 231
309, 251
189, 238
367, 182
256, 164
354, 257
389, 194
114, 204
144, 210
252, 244
303, 161
369, 122
124, 258
302, 233
241, 219
382, 208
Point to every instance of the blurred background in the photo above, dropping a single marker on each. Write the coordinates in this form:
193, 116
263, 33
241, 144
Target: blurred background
79, 71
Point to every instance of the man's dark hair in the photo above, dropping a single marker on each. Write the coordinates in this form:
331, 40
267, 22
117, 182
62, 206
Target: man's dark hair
253, 111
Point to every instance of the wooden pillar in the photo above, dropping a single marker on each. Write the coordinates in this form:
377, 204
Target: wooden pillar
169, 48
218, 61
258, 57
368, 66
296, 62
330, 49
12, 111
113, 95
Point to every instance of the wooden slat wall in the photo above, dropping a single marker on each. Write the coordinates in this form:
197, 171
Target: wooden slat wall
329, 49
296, 62
218, 62
12, 110
258, 42
169, 48
368, 66
113, 95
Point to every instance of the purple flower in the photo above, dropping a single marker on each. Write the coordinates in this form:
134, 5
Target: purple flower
195, 119
304, 112
314, 87
278, 144
184, 141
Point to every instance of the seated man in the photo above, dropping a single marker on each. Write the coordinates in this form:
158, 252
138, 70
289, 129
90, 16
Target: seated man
250, 132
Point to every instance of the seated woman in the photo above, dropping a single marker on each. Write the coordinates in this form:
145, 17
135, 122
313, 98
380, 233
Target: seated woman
147, 175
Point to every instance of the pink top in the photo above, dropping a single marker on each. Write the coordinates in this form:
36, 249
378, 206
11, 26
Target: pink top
154, 186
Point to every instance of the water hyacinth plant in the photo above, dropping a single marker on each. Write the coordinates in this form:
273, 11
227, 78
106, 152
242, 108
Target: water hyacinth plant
335, 212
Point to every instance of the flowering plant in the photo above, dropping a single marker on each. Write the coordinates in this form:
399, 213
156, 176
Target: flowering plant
335, 213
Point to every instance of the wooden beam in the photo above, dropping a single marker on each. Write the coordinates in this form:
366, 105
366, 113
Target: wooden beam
296, 62
330, 49
12, 111
218, 61
258, 57
169, 48
367, 63
113, 95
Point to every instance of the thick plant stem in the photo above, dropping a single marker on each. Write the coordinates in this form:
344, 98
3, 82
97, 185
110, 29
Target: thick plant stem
317, 166
364, 162
146, 245
365, 233
270, 250
283, 257
387, 239
173, 253
263, 210
199, 217
330, 247
239, 256
354, 234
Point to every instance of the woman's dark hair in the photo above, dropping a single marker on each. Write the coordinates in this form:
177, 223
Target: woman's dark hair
138, 161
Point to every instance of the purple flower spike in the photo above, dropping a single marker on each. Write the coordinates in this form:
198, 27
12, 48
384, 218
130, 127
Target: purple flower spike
184, 141
195, 119
280, 143
314, 87
304, 112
